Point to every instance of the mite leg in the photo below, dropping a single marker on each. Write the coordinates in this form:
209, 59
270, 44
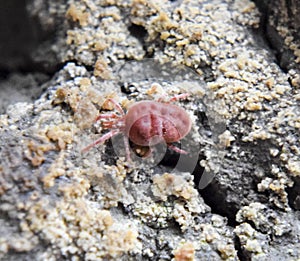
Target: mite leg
117, 106
101, 140
179, 97
127, 148
176, 149
108, 124
107, 116
111, 119
174, 98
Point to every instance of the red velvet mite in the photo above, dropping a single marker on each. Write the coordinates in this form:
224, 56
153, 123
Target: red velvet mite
147, 123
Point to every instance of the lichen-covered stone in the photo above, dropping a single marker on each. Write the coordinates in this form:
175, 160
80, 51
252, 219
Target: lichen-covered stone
59, 203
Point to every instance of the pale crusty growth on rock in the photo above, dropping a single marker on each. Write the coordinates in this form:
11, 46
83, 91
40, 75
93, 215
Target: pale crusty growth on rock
101, 69
186, 252
35, 152
59, 203
266, 222
212, 235
97, 234
85, 113
264, 219
101, 31
188, 203
119, 241
77, 15
169, 184
62, 134
280, 19
251, 240
226, 138
69, 223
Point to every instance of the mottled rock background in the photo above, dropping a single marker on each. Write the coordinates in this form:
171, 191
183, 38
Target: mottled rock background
60, 60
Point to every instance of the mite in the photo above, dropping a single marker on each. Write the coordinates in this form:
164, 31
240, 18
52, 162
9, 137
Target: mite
147, 123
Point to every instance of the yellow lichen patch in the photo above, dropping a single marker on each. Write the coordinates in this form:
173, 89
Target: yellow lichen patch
248, 238
227, 251
182, 42
100, 45
210, 234
226, 138
76, 227
80, 213
94, 96
270, 82
118, 242
191, 31
185, 252
182, 209
281, 89
253, 212
294, 167
60, 95
76, 189
277, 186
164, 35
121, 169
56, 169
165, 21
85, 83
111, 12
3, 185
253, 104
106, 30
73, 37
68, 96
62, 133
35, 152
77, 14
170, 184
259, 215
108, 181
102, 70
246, 6
155, 89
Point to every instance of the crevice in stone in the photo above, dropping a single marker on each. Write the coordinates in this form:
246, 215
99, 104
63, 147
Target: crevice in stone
242, 255
294, 194
215, 197
138, 32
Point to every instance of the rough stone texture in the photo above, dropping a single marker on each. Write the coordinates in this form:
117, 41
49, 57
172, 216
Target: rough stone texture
16, 37
59, 203
19, 87
281, 25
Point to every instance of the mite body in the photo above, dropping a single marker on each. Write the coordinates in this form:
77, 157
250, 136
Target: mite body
150, 122
147, 123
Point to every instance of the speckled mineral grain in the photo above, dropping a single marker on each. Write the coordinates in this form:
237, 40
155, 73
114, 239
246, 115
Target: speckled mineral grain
58, 203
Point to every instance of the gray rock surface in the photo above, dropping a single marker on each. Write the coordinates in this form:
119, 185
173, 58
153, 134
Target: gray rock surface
57, 203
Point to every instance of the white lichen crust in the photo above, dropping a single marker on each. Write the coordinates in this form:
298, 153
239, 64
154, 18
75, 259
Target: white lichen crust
60, 203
